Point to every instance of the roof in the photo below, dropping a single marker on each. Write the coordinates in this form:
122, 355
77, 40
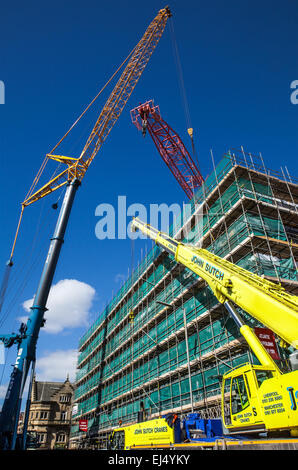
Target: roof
45, 391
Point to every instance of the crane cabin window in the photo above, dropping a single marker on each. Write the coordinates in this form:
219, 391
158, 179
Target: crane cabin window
239, 395
262, 375
227, 406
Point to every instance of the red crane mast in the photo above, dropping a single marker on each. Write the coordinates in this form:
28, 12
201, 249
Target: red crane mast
170, 146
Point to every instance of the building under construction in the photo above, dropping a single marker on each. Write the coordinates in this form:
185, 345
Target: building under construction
138, 361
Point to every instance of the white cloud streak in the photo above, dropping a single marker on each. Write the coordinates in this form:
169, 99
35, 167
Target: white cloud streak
68, 305
53, 366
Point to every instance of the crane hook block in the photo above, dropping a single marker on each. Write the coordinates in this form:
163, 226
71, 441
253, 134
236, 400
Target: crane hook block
190, 132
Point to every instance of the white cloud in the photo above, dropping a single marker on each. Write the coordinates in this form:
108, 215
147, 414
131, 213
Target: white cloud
53, 366
56, 365
68, 305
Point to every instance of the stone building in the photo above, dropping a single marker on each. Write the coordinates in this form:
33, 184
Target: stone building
50, 413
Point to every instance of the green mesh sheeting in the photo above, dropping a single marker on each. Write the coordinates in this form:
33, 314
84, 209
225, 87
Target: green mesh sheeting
247, 225
230, 196
204, 384
228, 199
267, 265
118, 356
209, 338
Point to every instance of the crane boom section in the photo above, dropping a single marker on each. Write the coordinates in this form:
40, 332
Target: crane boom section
125, 86
265, 301
77, 167
169, 145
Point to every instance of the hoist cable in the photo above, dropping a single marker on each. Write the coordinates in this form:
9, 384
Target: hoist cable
180, 75
43, 165
14, 283
73, 125
183, 89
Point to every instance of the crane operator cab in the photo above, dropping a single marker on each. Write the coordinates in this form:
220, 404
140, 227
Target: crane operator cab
260, 399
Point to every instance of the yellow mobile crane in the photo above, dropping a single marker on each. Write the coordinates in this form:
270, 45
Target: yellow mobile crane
255, 398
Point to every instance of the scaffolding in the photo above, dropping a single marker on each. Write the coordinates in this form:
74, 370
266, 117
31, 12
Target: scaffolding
135, 358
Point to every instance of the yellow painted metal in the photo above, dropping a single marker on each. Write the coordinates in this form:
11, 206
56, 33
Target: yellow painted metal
148, 433
60, 158
77, 167
264, 300
259, 397
224, 444
264, 400
190, 132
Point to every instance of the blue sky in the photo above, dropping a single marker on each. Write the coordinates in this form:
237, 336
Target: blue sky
238, 59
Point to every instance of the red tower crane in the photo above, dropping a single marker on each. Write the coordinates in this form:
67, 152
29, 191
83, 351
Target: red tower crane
169, 145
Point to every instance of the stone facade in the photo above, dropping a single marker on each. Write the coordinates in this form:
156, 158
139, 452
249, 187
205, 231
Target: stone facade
50, 413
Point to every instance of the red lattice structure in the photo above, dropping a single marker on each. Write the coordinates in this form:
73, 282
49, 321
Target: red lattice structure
170, 146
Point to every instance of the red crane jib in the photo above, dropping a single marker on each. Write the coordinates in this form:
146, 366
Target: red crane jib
147, 116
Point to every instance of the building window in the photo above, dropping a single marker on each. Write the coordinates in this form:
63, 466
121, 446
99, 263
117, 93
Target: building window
61, 438
63, 415
64, 398
44, 415
41, 437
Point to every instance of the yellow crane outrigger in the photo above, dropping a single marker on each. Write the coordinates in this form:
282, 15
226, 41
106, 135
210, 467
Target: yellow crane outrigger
255, 398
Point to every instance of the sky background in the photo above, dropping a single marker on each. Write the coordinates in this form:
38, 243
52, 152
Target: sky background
238, 58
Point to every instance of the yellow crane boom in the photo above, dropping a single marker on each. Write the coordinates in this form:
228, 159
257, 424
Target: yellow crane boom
77, 167
255, 398
266, 301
